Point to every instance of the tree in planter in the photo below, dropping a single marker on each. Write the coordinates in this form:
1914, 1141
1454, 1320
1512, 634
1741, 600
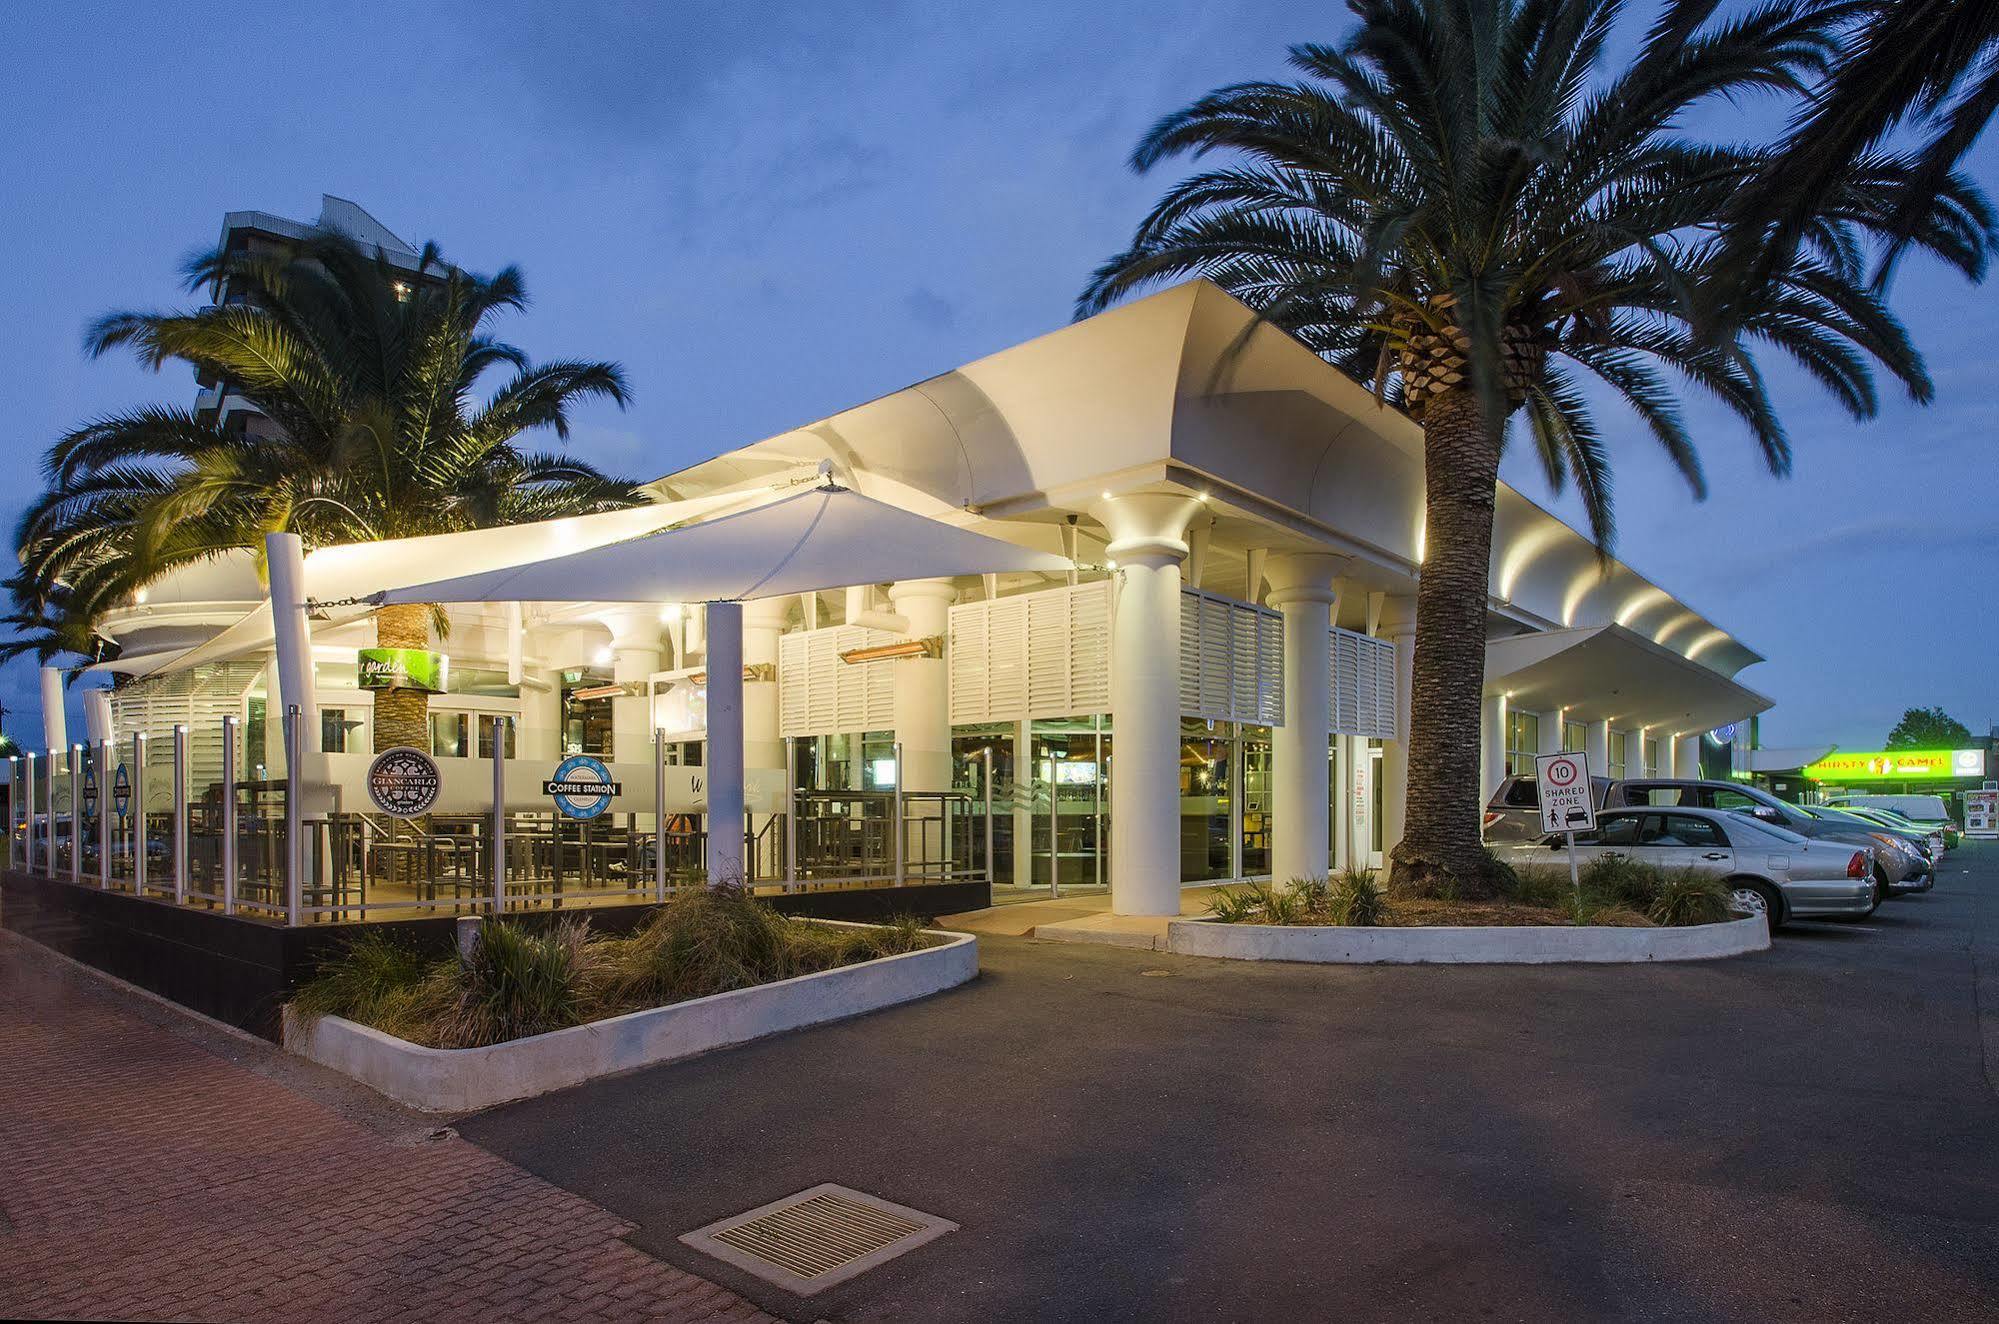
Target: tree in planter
1455, 206
370, 373
1929, 728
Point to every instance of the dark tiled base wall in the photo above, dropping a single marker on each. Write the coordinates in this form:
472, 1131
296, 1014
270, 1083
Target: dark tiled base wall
240, 971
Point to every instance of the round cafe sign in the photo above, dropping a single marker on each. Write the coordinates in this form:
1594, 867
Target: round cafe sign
404, 781
582, 787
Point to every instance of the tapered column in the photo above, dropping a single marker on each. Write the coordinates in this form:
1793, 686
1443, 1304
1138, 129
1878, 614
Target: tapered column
1492, 745
97, 715
763, 622
1148, 543
922, 685
1596, 745
1401, 632
55, 722
1301, 588
634, 657
1551, 732
1687, 757
284, 556
725, 742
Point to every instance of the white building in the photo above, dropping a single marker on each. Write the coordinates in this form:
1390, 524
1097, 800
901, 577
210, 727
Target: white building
1218, 689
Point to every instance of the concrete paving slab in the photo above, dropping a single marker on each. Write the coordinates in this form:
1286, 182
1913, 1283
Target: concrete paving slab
1147, 932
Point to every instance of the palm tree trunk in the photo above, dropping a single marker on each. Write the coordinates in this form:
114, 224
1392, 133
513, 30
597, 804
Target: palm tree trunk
1440, 851
402, 716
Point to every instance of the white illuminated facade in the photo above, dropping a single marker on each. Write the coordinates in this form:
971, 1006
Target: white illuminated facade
1216, 687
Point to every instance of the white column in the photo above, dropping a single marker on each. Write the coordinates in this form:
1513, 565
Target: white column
1148, 543
1491, 745
922, 686
1635, 752
634, 657
97, 714
55, 721
1551, 732
540, 733
1023, 805
1395, 753
284, 559
1596, 744
1687, 757
763, 621
725, 741
1301, 587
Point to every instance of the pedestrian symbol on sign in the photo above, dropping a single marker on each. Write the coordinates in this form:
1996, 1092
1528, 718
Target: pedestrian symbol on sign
1568, 801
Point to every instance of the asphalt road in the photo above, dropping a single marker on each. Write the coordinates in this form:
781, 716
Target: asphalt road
1807, 1133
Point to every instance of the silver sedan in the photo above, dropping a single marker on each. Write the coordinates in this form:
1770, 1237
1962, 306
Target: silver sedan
1770, 871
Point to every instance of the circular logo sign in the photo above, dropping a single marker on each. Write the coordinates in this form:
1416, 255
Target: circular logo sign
403, 782
121, 791
1561, 772
582, 787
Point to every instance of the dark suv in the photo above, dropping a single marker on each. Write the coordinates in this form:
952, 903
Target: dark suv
1514, 813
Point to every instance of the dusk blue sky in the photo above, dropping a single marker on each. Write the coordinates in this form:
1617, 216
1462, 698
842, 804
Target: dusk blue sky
767, 213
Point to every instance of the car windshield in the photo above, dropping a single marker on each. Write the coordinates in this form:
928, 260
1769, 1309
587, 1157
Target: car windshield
1785, 835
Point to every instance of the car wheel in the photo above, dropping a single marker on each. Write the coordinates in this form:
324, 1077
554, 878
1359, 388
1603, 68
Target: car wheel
1753, 898
1880, 884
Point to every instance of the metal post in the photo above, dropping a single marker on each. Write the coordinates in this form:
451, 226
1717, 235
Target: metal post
75, 816
499, 819
659, 814
895, 817
229, 724
294, 813
139, 813
180, 815
28, 846
102, 759
1099, 844
990, 874
790, 813
49, 847
1054, 827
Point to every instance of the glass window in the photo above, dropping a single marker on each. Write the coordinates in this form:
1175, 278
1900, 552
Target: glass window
1686, 830
1618, 741
1615, 830
1523, 742
1651, 756
1574, 738
450, 735
333, 730
1206, 770
1256, 800
487, 721
1724, 798
586, 723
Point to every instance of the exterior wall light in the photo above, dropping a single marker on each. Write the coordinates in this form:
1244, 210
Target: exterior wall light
930, 647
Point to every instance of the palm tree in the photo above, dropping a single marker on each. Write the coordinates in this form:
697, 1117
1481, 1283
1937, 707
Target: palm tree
369, 372
1457, 206
1927, 65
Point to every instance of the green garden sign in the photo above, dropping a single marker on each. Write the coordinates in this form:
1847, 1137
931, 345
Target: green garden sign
402, 669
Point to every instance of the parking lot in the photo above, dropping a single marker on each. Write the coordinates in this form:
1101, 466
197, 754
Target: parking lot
1810, 1132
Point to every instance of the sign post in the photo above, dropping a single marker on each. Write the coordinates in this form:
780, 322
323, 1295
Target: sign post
1568, 802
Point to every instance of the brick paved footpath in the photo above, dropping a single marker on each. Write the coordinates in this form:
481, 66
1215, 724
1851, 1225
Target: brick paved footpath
144, 1175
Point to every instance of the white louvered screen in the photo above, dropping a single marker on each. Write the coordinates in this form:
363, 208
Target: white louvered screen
1041, 654
1363, 685
819, 695
1231, 660
198, 699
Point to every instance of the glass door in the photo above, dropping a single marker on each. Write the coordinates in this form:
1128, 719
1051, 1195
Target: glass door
1371, 797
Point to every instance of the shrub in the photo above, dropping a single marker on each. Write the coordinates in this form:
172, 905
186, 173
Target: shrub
376, 979
1687, 896
1541, 885
1235, 905
517, 982
1312, 893
1618, 880
702, 942
1357, 899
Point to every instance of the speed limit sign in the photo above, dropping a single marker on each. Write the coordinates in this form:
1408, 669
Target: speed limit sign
1567, 804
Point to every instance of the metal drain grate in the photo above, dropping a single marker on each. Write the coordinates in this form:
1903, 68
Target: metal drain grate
807, 1242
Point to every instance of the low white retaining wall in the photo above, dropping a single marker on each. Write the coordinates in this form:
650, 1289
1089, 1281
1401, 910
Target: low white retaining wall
1526, 944
465, 1079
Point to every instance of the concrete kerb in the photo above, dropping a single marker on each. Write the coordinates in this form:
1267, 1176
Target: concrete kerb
1526, 944
455, 1080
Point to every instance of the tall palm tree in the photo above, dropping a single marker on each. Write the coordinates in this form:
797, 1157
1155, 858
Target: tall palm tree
1458, 205
1929, 66
371, 374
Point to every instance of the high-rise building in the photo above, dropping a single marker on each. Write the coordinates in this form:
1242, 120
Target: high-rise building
260, 231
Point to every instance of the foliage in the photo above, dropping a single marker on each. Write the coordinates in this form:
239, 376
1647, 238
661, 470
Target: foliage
370, 371
1929, 728
1620, 880
1357, 899
521, 980
1687, 896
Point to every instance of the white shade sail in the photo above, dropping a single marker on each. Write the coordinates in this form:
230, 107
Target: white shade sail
825, 538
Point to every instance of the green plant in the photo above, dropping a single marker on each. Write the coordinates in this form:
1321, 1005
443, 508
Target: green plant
1540, 885
373, 979
1235, 905
1618, 880
1357, 899
1311, 893
1489, 207
518, 982
1687, 896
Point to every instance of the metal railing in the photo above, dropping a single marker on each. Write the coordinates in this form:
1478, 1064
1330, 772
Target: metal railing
100, 816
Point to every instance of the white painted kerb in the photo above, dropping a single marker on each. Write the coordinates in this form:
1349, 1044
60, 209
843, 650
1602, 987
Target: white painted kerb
1525, 944
464, 1079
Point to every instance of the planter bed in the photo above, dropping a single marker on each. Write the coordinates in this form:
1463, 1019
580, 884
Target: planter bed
1520, 944
466, 1079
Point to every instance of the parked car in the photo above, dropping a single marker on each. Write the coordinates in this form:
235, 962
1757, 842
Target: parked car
1514, 812
1894, 822
1921, 873
1769, 870
1925, 811
1890, 865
